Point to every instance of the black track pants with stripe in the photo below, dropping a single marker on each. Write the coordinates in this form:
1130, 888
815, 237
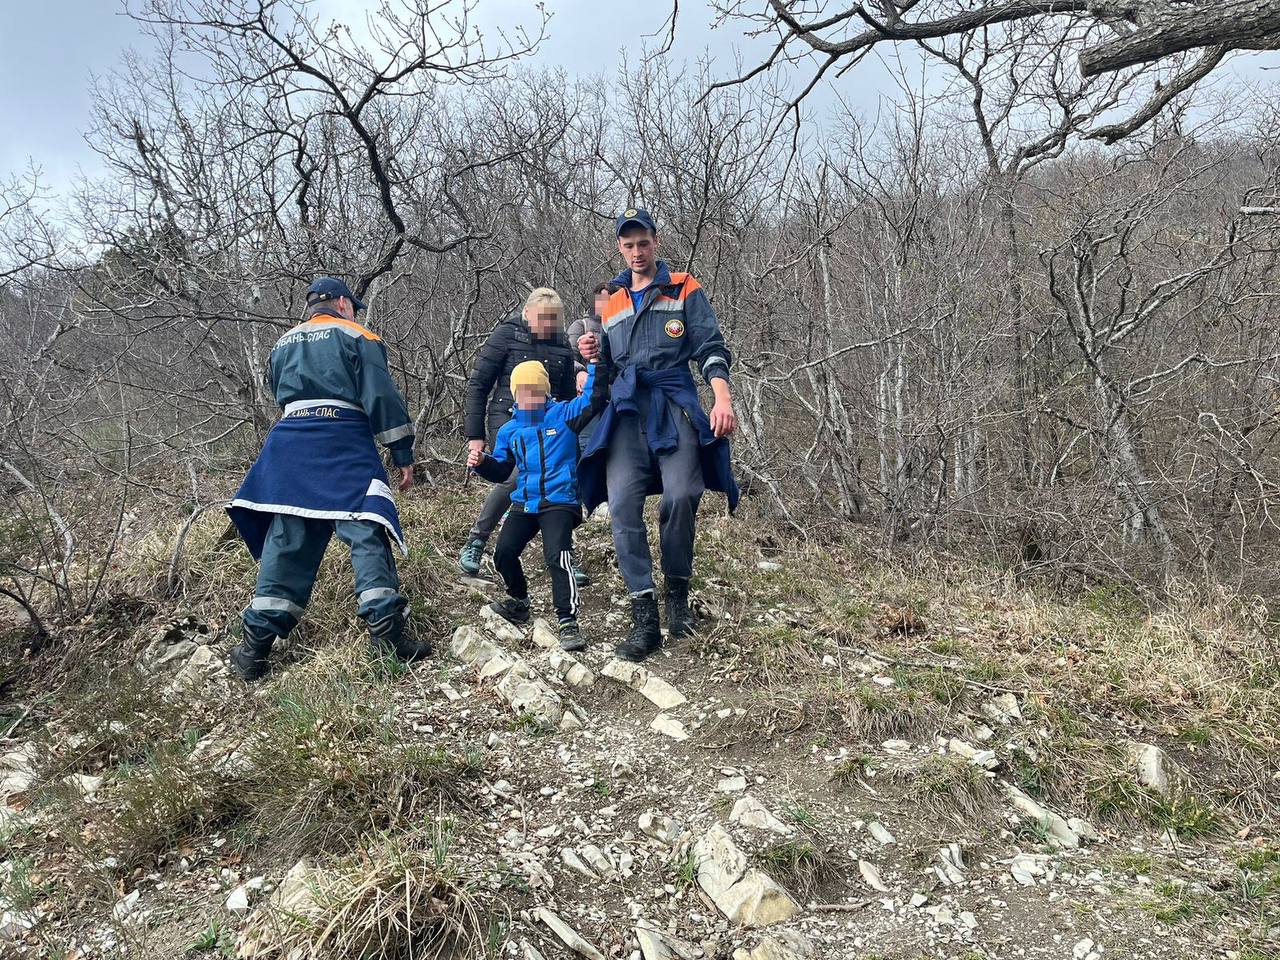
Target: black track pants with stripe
518, 531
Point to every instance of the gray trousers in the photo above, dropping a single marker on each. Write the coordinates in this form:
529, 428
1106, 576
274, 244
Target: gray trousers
290, 558
629, 470
495, 505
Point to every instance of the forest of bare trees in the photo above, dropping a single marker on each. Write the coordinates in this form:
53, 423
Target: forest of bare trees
1027, 308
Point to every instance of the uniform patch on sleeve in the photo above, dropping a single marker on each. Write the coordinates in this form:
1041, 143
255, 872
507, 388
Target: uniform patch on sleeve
675, 328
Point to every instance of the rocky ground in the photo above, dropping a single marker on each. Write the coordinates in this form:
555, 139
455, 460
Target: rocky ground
850, 761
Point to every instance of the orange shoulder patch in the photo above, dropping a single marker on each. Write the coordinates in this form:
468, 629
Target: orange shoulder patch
619, 301
687, 283
342, 321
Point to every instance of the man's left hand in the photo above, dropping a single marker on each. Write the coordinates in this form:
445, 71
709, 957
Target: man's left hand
406, 478
723, 420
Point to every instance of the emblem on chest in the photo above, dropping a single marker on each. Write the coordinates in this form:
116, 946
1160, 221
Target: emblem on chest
674, 328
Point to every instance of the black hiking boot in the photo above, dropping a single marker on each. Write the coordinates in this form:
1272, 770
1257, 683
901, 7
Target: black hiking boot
680, 620
249, 657
571, 638
512, 610
646, 634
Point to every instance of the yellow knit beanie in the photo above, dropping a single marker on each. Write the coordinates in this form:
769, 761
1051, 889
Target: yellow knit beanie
531, 373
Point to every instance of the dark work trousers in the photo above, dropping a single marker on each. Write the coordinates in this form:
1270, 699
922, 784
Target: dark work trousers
290, 558
495, 505
556, 525
630, 468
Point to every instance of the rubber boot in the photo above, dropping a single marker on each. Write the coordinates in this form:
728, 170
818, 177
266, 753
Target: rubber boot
646, 633
680, 622
249, 657
393, 634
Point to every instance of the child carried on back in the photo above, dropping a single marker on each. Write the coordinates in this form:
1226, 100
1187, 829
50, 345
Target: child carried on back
541, 443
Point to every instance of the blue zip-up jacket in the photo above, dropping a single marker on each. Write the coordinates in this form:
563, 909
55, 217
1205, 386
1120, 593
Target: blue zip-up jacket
331, 359
675, 388
543, 446
674, 326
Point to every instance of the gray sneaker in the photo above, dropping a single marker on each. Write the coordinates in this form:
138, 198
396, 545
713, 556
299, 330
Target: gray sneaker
469, 559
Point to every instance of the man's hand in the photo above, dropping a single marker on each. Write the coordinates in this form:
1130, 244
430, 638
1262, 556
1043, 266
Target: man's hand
475, 455
582, 380
406, 478
589, 347
723, 420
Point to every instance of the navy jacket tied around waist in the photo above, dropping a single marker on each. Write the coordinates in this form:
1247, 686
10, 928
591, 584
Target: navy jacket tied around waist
665, 387
319, 461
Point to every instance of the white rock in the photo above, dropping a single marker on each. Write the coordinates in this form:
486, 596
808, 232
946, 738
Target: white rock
16, 924
126, 905
568, 936
918, 900
720, 863
571, 670
782, 945
599, 861
201, 667
871, 876
750, 812
87, 786
757, 900
17, 770
497, 666
528, 695
768, 566
732, 785
979, 758
501, 629
660, 827
662, 694
1154, 768
545, 636
470, 647
1050, 821
529, 952
656, 945
1003, 709
880, 833
569, 857
669, 726
1082, 828
1086, 950
238, 902
569, 722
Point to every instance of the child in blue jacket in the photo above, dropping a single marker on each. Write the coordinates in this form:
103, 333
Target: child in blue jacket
541, 443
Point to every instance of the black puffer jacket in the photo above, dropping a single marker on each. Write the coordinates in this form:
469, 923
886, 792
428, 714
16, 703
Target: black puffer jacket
489, 399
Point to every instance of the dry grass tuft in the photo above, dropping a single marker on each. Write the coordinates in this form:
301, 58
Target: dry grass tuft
397, 898
945, 785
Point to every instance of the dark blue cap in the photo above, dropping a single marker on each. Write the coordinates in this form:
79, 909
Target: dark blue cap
330, 288
636, 217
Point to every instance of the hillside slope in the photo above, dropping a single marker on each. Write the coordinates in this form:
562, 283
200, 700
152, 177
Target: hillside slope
855, 759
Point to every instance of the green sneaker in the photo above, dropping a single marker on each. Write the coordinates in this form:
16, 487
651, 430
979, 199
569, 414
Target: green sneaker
469, 559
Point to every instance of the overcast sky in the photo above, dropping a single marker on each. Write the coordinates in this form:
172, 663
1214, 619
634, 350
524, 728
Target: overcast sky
55, 48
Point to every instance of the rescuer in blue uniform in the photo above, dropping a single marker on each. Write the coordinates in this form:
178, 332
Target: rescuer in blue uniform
320, 475
654, 437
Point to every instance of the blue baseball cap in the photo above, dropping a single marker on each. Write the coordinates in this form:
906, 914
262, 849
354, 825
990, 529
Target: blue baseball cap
636, 217
330, 288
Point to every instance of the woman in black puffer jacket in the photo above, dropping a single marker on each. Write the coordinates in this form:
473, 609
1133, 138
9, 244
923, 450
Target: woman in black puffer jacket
537, 333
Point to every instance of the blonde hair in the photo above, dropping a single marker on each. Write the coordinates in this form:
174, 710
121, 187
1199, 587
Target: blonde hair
544, 296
